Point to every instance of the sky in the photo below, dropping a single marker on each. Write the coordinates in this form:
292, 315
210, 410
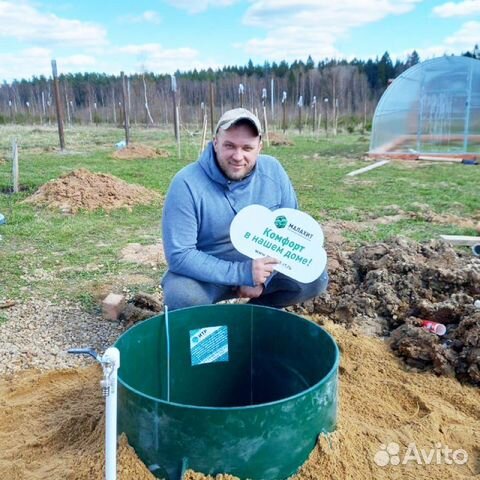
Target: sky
165, 35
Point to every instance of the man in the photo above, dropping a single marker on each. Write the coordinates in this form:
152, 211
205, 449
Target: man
203, 198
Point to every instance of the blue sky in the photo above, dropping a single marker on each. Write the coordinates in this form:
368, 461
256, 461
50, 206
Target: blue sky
165, 35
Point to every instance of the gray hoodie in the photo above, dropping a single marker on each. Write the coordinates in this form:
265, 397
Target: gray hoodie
200, 205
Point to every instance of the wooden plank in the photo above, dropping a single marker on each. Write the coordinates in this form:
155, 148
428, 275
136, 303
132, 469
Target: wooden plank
461, 240
366, 169
15, 167
440, 159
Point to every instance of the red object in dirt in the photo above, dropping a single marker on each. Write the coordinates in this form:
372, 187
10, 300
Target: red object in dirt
434, 327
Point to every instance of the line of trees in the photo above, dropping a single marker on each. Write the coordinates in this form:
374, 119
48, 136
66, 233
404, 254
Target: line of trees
345, 91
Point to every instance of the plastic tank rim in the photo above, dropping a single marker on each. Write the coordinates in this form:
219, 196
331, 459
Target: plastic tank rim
325, 379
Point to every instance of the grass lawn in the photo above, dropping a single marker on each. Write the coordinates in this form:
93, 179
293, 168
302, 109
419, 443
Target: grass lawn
47, 253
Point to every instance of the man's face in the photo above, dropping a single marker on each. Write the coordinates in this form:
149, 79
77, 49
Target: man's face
237, 150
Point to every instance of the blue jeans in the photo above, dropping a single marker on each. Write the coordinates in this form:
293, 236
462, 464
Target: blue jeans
180, 291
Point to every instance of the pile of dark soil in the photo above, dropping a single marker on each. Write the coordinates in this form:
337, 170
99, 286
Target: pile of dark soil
389, 288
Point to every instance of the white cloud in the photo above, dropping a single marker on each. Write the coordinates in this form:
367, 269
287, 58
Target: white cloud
197, 6
460, 41
75, 63
148, 16
37, 61
452, 9
24, 22
466, 37
153, 57
297, 28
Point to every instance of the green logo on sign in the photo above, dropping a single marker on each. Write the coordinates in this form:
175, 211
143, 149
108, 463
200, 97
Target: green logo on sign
281, 221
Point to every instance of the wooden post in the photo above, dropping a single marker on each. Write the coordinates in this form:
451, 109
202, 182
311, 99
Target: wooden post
325, 102
202, 113
300, 106
314, 107
27, 104
241, 90
364, 115
272, 83
129, 102
69, 120
284, 112
114, 106
176, 121
336, 117
15, 166
212, 118
265, 122
126, 113
44, 109
58, 106
175, 110
204, 132
147, 109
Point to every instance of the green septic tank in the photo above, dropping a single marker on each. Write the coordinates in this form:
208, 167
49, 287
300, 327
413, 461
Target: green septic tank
237, 389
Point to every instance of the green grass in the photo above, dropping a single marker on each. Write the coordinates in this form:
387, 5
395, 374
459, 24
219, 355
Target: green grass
43, 252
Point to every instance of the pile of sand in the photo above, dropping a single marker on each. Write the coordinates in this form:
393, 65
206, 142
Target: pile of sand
390, 287
279, 140
136, 151
82, 189
152, 255
51, 424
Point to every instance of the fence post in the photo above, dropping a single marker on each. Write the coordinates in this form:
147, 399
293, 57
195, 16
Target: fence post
300, 106
15, 166
56, 91
126, 113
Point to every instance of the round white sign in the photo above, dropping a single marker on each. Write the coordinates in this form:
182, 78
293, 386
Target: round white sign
289, 235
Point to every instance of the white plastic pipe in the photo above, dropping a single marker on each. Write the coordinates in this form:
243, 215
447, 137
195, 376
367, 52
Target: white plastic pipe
112, 356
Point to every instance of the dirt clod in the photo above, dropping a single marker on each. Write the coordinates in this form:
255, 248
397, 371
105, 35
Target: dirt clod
141, 307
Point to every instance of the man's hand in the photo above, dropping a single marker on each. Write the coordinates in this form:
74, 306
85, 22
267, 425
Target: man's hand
249, 292
262, 268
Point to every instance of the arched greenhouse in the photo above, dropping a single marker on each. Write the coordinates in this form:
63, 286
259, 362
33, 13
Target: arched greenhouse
433, 108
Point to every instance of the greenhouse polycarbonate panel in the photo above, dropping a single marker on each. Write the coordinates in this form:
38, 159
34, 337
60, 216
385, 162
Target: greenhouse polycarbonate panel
433, 107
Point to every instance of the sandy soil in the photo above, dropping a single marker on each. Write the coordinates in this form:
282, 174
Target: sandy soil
152, 255
51, 424
136, 151
82, 189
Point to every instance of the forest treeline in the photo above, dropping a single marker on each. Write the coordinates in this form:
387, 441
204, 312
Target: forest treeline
335, 89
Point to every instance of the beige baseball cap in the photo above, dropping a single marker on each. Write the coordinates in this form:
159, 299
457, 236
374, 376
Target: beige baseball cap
231, 117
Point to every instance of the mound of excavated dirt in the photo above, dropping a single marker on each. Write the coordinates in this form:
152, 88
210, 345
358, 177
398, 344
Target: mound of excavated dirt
82, 189
51, 424
136, 151
399, 283
279, 140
